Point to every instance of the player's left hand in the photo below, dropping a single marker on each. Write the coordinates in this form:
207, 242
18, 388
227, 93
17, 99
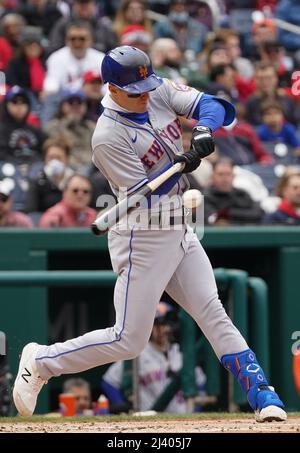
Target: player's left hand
191, 160
202, 141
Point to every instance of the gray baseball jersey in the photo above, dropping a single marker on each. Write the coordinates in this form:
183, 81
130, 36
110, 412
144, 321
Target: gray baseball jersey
147, 261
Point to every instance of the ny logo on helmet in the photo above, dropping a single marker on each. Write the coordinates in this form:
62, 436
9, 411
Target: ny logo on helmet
143, 71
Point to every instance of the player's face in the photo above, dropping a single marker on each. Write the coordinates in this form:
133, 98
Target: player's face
131, 102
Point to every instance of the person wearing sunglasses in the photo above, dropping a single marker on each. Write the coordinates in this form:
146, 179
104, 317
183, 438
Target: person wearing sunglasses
137, 137
66, 67
8, 217
73, 210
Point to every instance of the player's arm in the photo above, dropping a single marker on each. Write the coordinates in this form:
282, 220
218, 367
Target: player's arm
211, 112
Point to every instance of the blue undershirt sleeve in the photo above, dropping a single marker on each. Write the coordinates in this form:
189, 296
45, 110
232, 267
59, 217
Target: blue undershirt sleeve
214, 112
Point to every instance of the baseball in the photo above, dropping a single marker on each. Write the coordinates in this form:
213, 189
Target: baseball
192, 198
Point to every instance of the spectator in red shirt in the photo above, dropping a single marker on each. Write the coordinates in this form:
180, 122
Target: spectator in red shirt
73, 210
9, 218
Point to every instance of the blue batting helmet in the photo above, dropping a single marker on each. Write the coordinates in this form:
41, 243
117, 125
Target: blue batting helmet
129, 69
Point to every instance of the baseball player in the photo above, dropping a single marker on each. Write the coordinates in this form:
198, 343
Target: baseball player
137, 137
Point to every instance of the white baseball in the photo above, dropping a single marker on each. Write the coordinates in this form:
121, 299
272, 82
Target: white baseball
192, 198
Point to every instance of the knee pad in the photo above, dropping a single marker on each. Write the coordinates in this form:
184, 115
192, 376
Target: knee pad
247, 371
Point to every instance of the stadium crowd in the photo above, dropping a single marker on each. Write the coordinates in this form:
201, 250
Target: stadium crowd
51, 91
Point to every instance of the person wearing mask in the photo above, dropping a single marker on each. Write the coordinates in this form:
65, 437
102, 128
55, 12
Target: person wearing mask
186, 31
47, 188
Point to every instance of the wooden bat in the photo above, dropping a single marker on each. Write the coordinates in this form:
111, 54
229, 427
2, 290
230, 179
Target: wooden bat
109, 218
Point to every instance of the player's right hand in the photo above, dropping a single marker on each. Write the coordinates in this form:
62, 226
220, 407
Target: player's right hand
191, 159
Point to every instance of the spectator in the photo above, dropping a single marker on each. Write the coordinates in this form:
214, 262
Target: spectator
167, 57
47, 188
85, 11
288, 211
157, 364
215, 54
275, 129
9, 218
131, 12
72, 123
240, 142
186, 31
231, 40
12, 26
262, 31
136, 36
72, 210
27, 68
20, 143
40, 13
226, 205
81, 390
223, 81
66, 66
93, 91
272, 52
266, 81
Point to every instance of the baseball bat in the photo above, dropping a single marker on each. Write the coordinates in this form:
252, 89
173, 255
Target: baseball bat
109, 218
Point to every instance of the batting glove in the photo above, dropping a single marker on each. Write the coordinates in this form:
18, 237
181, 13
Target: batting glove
191, 159
202, 141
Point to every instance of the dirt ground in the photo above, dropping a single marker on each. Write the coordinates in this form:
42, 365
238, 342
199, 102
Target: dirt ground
201, 425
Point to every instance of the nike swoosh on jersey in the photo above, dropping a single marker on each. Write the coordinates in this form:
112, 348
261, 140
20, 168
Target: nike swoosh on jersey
133, 139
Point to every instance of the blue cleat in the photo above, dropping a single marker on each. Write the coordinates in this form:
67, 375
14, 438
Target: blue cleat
269, 406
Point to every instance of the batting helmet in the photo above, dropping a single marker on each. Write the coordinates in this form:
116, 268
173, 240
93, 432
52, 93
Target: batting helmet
129, 69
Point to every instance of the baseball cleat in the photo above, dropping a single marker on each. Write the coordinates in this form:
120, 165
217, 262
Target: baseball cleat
270, 407
28, 383
270, 414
